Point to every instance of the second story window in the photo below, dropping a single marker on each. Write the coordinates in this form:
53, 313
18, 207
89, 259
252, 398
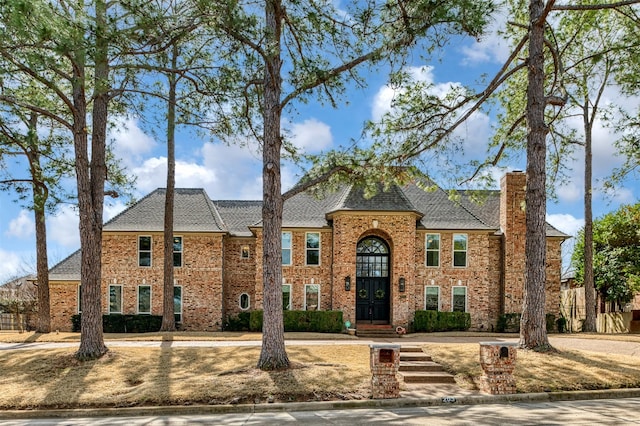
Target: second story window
177, 251
144, 251
313, 248
432, 244
286, 248
460, 250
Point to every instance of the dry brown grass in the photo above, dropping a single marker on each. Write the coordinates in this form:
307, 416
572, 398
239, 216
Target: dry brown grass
164, 376
544, 372
30, 337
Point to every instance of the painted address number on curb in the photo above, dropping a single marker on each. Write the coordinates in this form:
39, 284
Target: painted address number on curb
449, 399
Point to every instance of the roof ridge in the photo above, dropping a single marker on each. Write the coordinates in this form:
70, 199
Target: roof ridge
214, 211
132, 206
467, 210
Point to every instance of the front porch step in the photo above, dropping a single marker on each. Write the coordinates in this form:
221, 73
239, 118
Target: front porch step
422, 357
417, 367
375, 331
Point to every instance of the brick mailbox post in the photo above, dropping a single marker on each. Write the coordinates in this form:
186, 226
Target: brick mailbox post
498, 360
384, 362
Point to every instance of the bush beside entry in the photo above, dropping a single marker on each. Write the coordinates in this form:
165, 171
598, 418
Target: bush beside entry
312, 321
430, 321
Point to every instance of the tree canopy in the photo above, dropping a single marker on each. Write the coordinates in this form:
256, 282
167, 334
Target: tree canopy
616, 254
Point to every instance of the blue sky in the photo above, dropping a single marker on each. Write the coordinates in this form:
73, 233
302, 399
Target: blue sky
234, 172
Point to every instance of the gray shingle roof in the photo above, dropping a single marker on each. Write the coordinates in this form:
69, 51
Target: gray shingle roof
68, 269
193, 212
239, 215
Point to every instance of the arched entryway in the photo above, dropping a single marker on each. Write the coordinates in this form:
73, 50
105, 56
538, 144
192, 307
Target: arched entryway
372, 281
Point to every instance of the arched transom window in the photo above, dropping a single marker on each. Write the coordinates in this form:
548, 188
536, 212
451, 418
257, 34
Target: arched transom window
373, 258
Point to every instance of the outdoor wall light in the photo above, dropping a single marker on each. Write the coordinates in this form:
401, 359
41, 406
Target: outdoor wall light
347, 283
401, 284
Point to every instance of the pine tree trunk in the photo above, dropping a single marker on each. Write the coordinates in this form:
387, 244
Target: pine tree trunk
589, 287
40, 196
42, 262
91, 176
533, 331
168, 317
273, 354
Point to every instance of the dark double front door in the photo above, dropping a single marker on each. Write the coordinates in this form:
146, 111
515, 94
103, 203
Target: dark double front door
372, 281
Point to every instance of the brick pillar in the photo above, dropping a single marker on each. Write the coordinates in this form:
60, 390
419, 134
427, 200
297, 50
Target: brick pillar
384, 361
498, 360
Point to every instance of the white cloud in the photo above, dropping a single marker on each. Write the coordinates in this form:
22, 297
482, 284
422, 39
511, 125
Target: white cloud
566, 223
237, 171
311, 136
130, 140
424, 74
491, 48
10, 266
22, 226
62, 227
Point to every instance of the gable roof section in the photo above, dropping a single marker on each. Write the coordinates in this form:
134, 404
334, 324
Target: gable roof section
193, 212
68, 269
441, 212
393, 199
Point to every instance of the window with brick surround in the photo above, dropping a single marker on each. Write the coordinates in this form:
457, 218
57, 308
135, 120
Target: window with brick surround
79, 298
177, 251
459, 299
460, 250
286, 248
144, 299
311, 297
244, 301
177, 303
115, 299
244, 252
286, 297
144, 250
431, 298
312, 249
432, 246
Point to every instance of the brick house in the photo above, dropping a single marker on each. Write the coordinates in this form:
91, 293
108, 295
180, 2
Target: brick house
377, 260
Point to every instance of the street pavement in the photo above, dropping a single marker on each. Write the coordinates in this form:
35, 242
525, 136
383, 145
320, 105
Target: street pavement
585, 412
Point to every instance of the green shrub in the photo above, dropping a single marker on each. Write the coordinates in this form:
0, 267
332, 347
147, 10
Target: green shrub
239, 322
430, 321
311, 321
124, 323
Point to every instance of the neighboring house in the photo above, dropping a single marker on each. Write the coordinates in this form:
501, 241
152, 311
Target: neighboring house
18, 304
377, 260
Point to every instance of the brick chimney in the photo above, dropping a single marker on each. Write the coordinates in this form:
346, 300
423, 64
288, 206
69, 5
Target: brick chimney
513, 226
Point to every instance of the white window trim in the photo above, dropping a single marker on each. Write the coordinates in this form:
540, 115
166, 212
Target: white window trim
242, 256
319, 294
181, 302
466, 297
150, 251
109, 298
181, 251
306, 249
290, 296
138, 299
248, 300
289, 248
454, 251
426, 250
439, 299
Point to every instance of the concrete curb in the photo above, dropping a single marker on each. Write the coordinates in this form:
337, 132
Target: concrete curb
321, 405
